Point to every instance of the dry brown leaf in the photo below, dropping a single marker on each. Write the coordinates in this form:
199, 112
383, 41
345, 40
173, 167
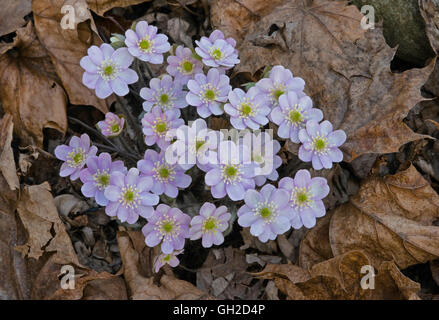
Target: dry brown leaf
346, 69
142, 287
29, 88
12, 14
38, 213
102, 6
340, 278
315, 246
390, 218
7, 163
66, 47
429, 12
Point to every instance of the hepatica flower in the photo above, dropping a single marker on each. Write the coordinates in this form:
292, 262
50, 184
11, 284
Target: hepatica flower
165, 93
168, 226
210, 225
320, 144
129, 197
267, 212
183, 66
292, 114
217, 52
207, 93
96, 177
247, 109
166, 178
158, 125
263, 150
233, 172
195, 144
74, 155
112, 126
164, 259
107, 70
146, 44
305, 194
279, 82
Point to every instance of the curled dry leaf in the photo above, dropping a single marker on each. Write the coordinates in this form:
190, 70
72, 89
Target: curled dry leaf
102, 6
29, 88
340, 278
142, 287
346, 69
7, 163
38, 213
67, 46
12, 15
69, 204
390, 218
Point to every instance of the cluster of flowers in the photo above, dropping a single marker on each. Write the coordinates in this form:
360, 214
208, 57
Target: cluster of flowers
232, 168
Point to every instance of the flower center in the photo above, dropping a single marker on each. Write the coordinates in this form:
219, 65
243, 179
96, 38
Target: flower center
278, 93
168, 227
295, 116
246, 109
210, 224
188, 66
102, 179
216, 53
266, 210
164, 98
320, 144
76, 158
209, 93
164, 173
145, 45
167, 258
130, 197
231, 173
199, 144
301, 197
108, 70
279, 89
115, 128
160, 127
257, 158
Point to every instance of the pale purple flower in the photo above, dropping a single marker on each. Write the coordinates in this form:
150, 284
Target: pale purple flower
210, 224
74, 155
112, 126
165, 93
233, 173
129, 197
292, 114
164, 259
168, 226
158, 126
320, 144
217, 52
96, 177
279, 82
264, 154
166, 178
305, 195
183, 66
208, 93
107, 70
267, 212
146, 44
195, 144
247, 109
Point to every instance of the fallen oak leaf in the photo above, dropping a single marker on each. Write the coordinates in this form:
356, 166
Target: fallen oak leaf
144, 288
341, 278
7, 162
67, 46
390, 218
12, 15
29, 88
346, 69
102, 6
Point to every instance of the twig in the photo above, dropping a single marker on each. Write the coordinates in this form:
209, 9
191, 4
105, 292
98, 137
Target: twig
95, 132
121, 152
